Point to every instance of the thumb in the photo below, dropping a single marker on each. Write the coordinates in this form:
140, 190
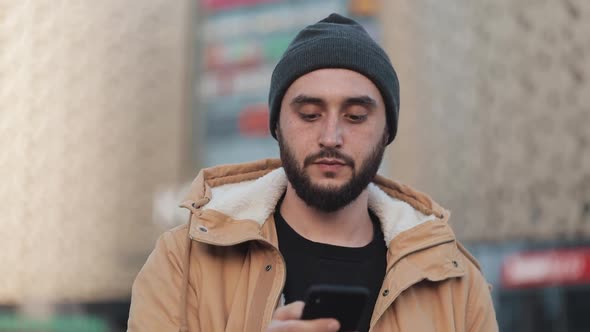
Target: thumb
290, 311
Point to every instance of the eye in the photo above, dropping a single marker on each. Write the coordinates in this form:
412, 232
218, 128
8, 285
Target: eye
309, 116
356, 118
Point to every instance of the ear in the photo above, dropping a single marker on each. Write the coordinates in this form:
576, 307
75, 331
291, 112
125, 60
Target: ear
278, 131
385, 137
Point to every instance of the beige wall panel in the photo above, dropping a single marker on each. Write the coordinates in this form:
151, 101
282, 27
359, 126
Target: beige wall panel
494, 124
93, 107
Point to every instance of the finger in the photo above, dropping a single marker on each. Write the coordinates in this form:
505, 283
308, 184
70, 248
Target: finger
314, 325
290, 311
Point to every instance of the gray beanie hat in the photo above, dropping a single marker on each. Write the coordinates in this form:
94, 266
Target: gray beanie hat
335, 42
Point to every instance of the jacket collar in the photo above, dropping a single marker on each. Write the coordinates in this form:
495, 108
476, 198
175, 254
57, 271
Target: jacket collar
249, 193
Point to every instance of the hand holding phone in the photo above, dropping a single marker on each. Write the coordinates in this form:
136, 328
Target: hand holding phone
345, 303
288, 318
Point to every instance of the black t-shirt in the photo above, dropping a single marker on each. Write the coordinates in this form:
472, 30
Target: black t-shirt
310, 263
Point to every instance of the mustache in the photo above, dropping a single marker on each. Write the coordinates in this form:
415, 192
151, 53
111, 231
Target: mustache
328, 153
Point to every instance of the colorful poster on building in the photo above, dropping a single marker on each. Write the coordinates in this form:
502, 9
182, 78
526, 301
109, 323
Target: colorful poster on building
241, 43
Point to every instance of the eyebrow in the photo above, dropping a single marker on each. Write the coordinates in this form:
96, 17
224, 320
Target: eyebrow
304, 99
364, 100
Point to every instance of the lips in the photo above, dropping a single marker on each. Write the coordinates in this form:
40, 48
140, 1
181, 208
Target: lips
334, 162
330, 165
330, 160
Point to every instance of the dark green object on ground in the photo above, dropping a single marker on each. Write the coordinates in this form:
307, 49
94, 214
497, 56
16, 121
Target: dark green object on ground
71, 323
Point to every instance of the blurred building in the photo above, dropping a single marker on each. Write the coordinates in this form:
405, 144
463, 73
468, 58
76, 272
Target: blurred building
94, 103
495, 113
494, 117
242, 41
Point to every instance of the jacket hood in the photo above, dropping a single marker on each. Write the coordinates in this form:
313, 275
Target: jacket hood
250, 191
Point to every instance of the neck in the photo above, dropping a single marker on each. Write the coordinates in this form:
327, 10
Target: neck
351, 226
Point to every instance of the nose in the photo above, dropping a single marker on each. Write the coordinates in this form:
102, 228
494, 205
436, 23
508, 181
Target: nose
331, 133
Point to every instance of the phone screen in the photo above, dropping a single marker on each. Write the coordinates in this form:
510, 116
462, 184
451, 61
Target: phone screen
344, 303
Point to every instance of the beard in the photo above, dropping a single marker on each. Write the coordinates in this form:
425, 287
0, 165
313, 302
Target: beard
330, 198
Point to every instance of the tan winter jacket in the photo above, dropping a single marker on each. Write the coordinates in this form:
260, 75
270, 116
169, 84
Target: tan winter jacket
223, 271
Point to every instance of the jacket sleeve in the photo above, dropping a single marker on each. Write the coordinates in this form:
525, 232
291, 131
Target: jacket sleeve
480, 308
155, 296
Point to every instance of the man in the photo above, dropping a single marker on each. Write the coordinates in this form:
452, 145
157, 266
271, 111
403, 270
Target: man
261, 233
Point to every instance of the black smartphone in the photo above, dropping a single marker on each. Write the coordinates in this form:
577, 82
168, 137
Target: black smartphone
344, 303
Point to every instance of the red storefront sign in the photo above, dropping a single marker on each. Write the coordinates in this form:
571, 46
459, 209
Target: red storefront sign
253, 121
547, 268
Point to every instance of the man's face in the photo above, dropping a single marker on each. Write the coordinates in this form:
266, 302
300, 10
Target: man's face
332, 135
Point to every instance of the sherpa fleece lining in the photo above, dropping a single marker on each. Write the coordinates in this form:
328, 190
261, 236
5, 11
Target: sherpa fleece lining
256, 200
